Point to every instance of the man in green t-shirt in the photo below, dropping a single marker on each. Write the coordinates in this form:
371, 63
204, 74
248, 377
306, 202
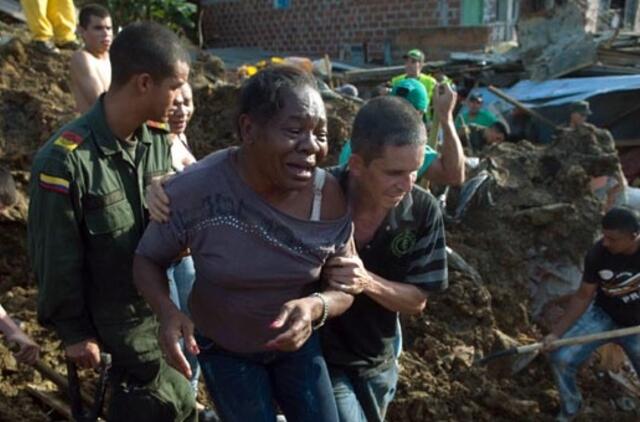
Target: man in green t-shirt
475, 114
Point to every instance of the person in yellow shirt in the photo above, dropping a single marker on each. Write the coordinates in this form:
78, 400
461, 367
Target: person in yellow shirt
413, 63
51, 22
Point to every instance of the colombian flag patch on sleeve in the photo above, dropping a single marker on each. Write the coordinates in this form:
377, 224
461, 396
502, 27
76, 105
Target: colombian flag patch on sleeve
68, 141
54, 184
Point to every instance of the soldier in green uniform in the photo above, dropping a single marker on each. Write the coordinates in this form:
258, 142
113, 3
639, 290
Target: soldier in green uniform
87, 214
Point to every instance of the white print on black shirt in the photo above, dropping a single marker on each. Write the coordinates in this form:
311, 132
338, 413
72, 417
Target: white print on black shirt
624, 285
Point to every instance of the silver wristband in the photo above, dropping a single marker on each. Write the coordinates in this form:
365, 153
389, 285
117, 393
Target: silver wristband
325, 311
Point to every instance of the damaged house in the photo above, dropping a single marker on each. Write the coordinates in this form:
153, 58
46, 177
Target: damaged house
358, 31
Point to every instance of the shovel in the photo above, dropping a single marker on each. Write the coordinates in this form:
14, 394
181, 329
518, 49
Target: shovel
530, 351
77, 410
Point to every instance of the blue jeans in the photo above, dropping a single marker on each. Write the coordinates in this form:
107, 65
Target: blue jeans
244, 387
181, 278
566, 361
363, 399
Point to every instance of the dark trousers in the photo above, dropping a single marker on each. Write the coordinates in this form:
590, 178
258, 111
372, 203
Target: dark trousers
246, 387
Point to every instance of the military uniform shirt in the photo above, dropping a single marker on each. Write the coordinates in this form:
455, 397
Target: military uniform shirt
86, 216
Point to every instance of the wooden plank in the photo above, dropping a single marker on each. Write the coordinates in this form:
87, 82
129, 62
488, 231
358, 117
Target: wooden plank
625, 58
59, 380
601, 70
13, 9
522, 107
621, 143
385, 73
375, 74
51, 401
616, 119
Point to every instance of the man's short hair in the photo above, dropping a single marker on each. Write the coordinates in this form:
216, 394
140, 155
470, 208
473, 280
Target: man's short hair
501, 127
621, 219
7, 188
145, 47
89, 10
386, 121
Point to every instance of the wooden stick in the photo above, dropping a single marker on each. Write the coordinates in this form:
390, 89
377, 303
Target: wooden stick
59, 380
621, 116
522, 107
569, 341
51, 401
327, 63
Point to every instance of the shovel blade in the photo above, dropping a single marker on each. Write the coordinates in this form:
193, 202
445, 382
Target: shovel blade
523, 361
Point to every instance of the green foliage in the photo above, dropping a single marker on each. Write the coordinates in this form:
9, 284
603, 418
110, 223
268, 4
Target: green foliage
176, 14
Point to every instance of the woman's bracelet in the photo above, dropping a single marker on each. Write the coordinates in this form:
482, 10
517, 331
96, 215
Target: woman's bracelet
325, 311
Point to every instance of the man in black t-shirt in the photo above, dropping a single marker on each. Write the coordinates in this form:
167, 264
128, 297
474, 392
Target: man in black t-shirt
612, 276
399, 233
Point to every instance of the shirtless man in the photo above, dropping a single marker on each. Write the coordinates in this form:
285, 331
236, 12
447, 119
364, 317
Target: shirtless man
90, 66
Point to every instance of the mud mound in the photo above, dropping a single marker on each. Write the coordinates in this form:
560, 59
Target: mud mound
34, 100
535, 203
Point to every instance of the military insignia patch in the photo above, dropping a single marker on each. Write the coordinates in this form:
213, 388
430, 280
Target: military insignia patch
54, 184
403, 242
68, 141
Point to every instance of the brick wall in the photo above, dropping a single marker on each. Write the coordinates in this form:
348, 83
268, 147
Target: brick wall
316, 27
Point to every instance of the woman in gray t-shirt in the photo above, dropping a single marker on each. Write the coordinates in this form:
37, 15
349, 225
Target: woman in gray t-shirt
260, 221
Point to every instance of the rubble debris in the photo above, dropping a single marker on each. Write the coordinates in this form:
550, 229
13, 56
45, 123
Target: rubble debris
557, 43
12, 9
526, 180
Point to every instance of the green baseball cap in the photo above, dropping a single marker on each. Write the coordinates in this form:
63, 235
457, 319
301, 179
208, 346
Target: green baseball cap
581, 107
413, 91
414, 54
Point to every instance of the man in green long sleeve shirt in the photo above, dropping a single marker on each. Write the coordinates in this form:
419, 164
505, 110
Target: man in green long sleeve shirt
86, 215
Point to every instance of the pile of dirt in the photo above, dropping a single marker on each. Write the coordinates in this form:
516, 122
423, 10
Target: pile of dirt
34, 99
535, 201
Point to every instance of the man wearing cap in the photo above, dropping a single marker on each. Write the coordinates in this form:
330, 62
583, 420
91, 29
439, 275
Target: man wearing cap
477, 137
413, 63
612, 189
475, 114
580, 111
446, 168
